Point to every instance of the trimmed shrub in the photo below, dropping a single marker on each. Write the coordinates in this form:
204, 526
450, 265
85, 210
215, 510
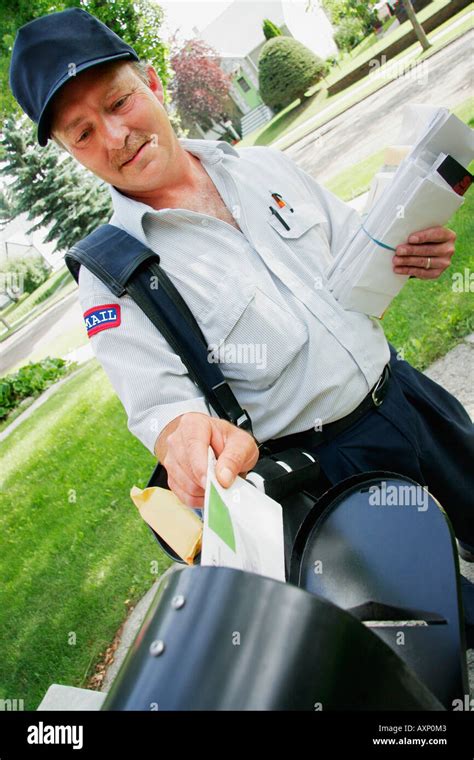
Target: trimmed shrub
270, 29
286, 69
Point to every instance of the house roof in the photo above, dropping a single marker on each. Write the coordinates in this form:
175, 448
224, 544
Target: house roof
238, 29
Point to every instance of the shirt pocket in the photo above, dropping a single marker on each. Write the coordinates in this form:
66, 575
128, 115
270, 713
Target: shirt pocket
253, 337
308, 234
300, 221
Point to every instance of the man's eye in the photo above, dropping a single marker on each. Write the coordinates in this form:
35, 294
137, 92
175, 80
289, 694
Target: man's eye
83, 136
121, 101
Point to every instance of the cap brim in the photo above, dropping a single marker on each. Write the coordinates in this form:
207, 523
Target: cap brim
43, 130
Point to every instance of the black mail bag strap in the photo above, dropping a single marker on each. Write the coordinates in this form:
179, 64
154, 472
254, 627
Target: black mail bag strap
125, 265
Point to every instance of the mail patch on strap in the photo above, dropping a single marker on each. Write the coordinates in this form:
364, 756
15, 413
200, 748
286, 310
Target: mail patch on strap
101, 318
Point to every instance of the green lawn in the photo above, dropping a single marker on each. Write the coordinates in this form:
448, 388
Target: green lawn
356, 179
73, 548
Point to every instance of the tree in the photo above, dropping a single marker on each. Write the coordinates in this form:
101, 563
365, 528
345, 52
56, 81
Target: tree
286, 69
33, 272
6, 206
342, 10
349, 32
270, 29
419, 31
50, 186
136, 21
199, 86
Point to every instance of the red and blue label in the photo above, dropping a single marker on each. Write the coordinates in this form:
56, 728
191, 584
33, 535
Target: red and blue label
101, 318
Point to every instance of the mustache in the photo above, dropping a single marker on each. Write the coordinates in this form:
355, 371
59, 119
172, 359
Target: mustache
133, 145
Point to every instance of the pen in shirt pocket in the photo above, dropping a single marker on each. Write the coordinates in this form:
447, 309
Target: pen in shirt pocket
281, 204
280, 218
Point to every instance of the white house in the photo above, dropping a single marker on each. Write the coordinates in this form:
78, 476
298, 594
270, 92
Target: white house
236, 34
17, 242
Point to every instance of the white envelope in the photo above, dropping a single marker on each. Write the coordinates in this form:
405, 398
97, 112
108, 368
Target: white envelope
243, 528
361, 277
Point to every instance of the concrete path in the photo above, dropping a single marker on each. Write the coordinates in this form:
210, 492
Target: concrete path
455, 371
53, 323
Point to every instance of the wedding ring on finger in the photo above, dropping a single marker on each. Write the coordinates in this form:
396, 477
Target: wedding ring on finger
428, 263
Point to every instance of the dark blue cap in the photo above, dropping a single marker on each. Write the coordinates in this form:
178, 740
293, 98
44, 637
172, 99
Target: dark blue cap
51, 49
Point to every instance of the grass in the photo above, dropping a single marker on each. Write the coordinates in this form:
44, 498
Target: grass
356, 179
373, 38
62, 344
74, 553
29, 300
299, 119
290, 117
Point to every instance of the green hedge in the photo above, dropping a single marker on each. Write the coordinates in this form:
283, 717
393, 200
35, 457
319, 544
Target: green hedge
286, 70
30, 380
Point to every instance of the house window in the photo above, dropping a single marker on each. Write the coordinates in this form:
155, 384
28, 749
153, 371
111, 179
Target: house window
243, 84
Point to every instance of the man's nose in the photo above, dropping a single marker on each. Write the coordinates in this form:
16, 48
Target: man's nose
115, 133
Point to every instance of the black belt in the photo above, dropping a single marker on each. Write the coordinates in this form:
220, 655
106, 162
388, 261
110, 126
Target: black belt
310, 438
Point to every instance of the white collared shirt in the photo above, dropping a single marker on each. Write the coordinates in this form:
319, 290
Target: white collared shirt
293, 356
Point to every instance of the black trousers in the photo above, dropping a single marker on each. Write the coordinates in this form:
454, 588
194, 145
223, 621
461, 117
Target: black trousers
420, 431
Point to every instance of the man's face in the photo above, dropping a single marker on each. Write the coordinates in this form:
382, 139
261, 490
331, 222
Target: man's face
105, 115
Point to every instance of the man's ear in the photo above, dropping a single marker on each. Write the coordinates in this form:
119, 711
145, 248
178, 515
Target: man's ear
154, 82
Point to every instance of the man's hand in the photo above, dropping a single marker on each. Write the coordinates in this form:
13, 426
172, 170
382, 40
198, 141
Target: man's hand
426, 254
182, 449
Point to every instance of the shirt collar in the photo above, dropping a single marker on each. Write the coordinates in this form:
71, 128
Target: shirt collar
129, 213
